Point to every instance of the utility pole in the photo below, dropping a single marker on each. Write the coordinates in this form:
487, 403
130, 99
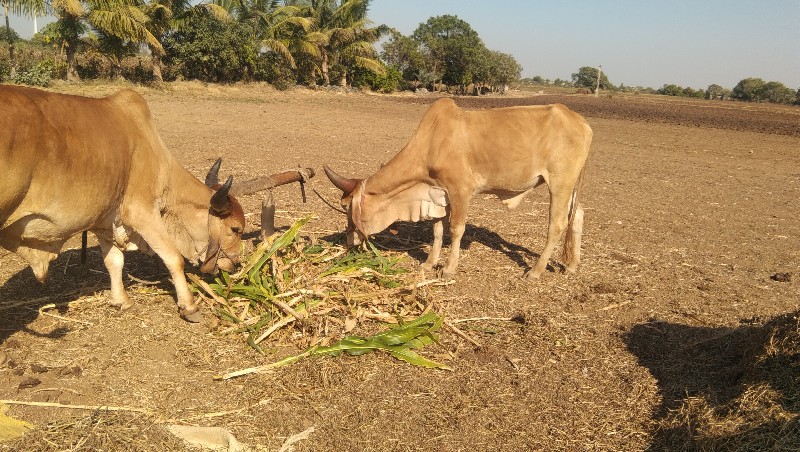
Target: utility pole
597, 85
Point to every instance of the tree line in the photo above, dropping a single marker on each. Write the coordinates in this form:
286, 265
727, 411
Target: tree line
284, 43
751, 89
288, 42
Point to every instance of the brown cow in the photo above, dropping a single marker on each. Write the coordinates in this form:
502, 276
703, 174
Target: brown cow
70, 164
456, 154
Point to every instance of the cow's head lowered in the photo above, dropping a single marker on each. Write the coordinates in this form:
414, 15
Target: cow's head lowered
372, 209
225, 225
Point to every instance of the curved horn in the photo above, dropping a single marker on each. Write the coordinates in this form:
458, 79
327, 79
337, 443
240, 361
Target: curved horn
212, 178
342, 183
220, 202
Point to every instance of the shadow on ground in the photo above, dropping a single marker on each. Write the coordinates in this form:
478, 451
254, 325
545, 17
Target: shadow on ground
413, 238
717, 383
21, 296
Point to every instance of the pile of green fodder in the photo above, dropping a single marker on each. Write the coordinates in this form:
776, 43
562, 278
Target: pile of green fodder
313, 294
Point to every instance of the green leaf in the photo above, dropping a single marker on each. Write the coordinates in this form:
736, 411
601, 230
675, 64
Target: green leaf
399, 341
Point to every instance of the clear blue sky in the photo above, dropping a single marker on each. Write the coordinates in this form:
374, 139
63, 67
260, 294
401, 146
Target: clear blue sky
638, 42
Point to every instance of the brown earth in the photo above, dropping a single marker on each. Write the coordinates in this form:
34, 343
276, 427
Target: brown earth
691, 256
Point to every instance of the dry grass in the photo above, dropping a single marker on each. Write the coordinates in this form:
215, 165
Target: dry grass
101, 431
761, 412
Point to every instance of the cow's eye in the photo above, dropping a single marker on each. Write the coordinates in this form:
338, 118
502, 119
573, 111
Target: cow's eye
237, 231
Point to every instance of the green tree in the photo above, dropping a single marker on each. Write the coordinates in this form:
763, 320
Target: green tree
25, 7
776, 92
586, 77
452, 49
274, 23
8, 34
404, 55
208, 49
162, 16
715, 91
671, 90
748, 89
505, 69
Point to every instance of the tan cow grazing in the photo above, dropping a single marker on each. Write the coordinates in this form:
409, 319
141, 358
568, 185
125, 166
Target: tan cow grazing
456, 154
70, 164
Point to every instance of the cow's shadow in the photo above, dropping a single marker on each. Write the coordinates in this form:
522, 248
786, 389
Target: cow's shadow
21, 296
413, 238
715, 365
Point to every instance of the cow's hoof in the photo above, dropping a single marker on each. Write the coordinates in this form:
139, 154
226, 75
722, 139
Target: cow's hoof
123, 305
426, 267
192, 317
448, 276
531, 275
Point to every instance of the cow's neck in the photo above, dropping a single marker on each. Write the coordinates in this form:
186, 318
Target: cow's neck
400, 173
186, 213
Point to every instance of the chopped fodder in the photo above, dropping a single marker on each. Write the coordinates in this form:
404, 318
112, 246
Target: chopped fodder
101, 430
311, 294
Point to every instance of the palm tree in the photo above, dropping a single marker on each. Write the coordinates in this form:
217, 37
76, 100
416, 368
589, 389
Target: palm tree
276, 24
121, 27
349, 39
70, 27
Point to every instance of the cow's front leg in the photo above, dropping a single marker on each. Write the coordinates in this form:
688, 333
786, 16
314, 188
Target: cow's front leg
186, 304
436, 248
114, 260
159, 241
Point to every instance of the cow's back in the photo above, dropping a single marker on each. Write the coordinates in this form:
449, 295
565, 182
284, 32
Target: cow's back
66, 159
509, 148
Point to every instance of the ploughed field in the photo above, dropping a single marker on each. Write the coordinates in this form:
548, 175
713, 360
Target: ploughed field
679, 329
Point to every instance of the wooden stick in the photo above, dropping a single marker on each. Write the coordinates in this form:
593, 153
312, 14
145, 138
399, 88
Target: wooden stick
478, 319
196, 279
463, 334
615, 305
288, 445
267, 216
53, 305
288, 309
77, 407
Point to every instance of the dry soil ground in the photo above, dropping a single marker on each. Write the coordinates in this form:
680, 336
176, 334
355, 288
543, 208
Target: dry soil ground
691, 251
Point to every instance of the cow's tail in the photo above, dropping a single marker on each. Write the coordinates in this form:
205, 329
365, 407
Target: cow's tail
572, 241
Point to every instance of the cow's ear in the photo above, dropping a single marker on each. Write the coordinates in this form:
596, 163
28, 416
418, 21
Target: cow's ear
438, 195
220, 204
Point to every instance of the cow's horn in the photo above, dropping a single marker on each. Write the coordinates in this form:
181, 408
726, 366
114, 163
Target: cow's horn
212, 178
342, 183
220, 202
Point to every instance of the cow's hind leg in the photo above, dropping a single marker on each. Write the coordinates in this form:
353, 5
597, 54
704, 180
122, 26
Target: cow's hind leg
114, 260
436, 248
572, 242
458, 222
559, 211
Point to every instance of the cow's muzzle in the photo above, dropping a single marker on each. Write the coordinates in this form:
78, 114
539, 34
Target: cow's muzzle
219, 260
